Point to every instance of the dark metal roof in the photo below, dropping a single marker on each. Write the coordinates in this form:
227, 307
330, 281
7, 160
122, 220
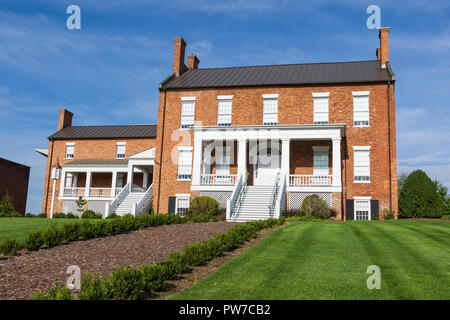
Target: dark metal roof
106, 132
96, 162
288, 74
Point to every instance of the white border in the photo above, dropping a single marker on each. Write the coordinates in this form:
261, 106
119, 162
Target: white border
361, 93
225, 97
188, 98
270, 96
321, 94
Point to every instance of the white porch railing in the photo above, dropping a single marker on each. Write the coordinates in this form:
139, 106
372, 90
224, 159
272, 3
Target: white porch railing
281, 197
111, 207
144, 202
303, 180
73, 192
100, 192
236, 195
273, 200
218, 179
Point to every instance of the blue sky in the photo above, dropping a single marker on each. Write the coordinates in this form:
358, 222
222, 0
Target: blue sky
108, 72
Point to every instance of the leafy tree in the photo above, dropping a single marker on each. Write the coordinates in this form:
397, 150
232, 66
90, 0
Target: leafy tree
401, 181
80, 204
419, 197
443, 193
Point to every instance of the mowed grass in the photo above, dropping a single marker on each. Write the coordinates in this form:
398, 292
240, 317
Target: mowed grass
19, 227
308, 260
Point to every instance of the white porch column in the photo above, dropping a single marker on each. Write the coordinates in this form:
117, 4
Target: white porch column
285, 157
130, 176
63, 182
144, 179
242, 156
197, 166
113, 184
88, 183
336, 154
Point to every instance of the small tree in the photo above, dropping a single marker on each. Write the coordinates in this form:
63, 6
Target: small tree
443, 193
419, 197
80, 204
6, 208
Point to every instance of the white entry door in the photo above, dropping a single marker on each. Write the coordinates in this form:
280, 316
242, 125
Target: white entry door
267, 167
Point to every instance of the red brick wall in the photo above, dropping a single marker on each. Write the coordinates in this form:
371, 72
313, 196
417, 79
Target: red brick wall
88, 149
295, 106
14, 180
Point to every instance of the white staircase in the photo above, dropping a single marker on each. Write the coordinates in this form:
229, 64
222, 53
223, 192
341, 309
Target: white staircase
254, 204
126, 206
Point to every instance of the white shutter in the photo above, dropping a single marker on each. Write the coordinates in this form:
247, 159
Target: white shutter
224, 112
361, 110
187, 113
270, 111
321, 110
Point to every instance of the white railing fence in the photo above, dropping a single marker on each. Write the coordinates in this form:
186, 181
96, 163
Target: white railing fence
111, 207
281, 197
218, 179
272, 203
236, 195
73, 192
143, 204
300, 180
100, 192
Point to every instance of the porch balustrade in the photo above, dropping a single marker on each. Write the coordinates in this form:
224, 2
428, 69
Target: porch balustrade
73, 192
218, 179
306, 180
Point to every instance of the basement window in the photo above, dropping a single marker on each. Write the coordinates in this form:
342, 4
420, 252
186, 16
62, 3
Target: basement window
70, 149
362, 208
120, 153
182, 204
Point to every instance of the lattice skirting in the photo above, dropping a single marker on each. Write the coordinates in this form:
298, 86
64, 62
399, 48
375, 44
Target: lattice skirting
221, 197
296, 198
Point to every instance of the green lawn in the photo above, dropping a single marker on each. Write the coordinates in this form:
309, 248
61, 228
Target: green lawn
310, 260
18, 227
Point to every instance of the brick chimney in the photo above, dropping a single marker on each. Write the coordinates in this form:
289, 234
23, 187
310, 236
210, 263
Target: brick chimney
178, 57
193, 61
383, 50
65, 119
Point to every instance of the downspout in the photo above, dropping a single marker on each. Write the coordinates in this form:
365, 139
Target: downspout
49, 174
161, 153
389, 137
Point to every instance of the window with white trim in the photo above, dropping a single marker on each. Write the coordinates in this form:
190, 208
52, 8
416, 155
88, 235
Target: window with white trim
224, 110
70, 149
222, 160
320, 163
270, 109
362, 209
187, 112
120, 150
361, 165
361, 109
182, 204
184, 164
321, 108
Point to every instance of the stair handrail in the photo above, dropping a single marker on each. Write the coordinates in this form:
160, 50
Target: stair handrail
273, 198
281, 198
145, 200
236, 194
119, 198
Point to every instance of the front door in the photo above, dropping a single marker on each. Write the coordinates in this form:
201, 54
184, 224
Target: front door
266, 168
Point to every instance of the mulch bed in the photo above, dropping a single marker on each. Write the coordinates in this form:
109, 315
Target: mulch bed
30, 272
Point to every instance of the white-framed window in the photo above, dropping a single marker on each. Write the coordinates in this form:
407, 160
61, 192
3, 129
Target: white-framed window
69, 179
182, 203
320, 162
184, 163
120, 150
361, 108
321, 107
361, 164
224, 110
361, 208
70, 150
270, 109
187, 112
223, 160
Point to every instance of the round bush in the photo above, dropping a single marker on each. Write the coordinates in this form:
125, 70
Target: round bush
419, 197
88, 214
204, 206
34, 240
316, 207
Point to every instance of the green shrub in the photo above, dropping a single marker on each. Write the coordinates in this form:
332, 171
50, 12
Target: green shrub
419, 197
387, 215
88, 214
29, 215
113, 216
315, 206
59, 215
52, 236
6, 208
56, 293
9, 247
71, 231
203, 209
87, 229
292, 213
125, 283
93, 288
155, 277
34, 240
70, 215
42, 215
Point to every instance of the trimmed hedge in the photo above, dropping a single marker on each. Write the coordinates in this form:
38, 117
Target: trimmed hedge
133, 283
